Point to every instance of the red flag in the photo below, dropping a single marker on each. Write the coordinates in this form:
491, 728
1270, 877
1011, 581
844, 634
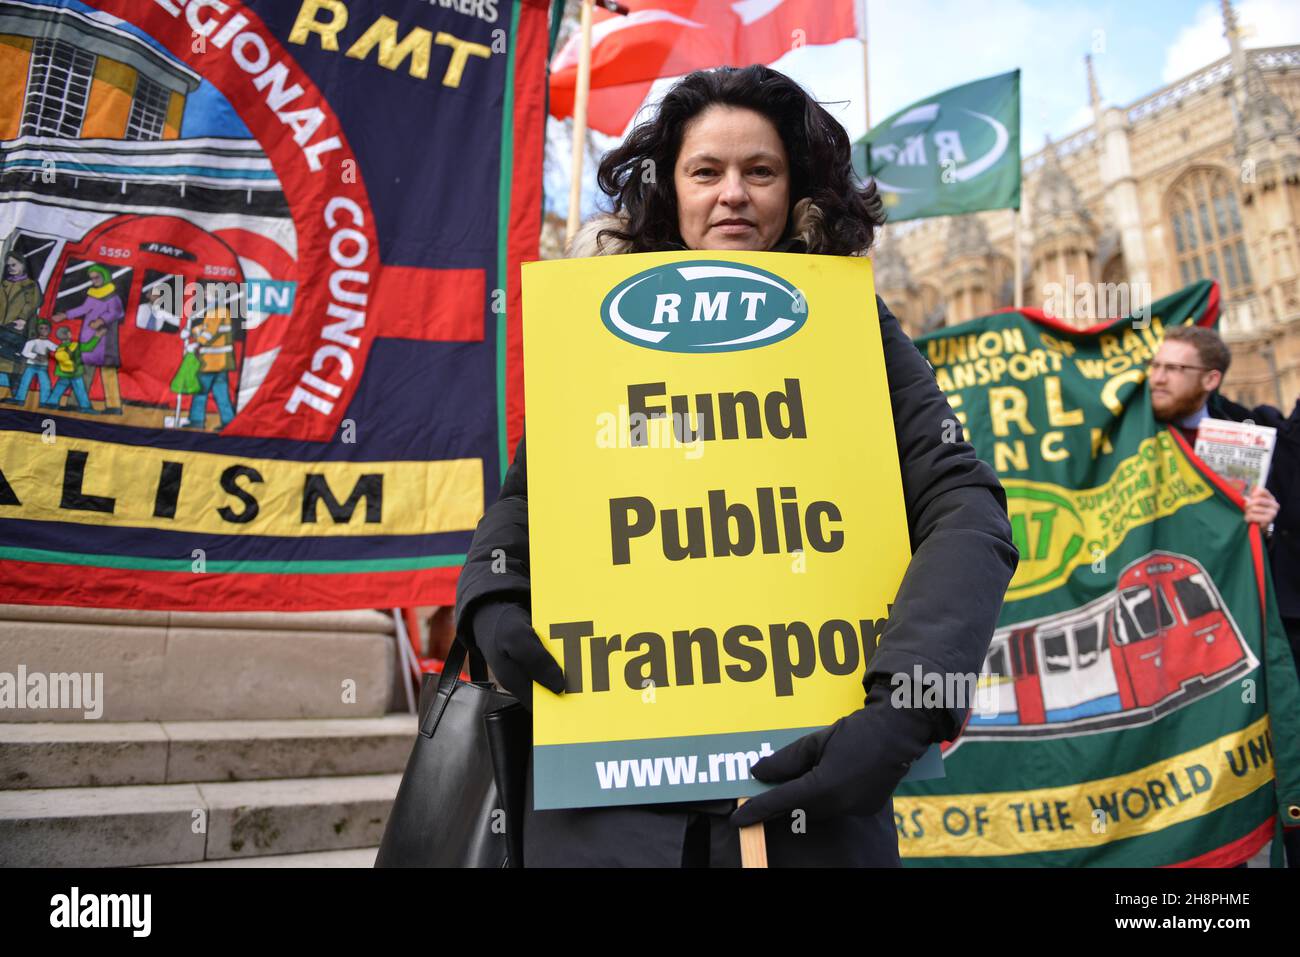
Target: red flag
670, 37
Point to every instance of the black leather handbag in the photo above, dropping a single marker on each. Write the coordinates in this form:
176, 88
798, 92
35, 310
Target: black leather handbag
461, 800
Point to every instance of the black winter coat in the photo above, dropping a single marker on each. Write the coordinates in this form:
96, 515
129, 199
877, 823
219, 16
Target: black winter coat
942, 619
1284, 483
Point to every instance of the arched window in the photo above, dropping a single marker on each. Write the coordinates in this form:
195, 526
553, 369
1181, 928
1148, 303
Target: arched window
930, 307
1208, 243
1115, 271
1003, 275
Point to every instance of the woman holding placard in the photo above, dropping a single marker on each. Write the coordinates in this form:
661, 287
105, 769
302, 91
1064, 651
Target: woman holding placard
744, 159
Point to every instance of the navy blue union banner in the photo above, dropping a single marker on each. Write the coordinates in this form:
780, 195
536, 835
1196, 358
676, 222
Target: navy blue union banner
260, 345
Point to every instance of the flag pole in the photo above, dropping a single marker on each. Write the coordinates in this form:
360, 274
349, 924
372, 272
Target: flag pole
579, 125
1019, 292
866, 76
753, 843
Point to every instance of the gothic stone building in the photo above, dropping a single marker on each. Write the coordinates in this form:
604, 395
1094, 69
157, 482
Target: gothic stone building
1200, 179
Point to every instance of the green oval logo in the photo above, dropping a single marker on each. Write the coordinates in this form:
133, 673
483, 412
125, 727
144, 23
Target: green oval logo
704, 306
1048, 531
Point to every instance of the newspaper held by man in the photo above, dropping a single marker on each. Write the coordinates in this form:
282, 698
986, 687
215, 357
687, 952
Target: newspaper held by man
1239, 451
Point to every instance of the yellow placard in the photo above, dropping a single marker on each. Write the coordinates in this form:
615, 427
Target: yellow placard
716, 520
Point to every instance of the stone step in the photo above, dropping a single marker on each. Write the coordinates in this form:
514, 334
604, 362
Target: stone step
182, 823
197, 666
104, 754
357, 857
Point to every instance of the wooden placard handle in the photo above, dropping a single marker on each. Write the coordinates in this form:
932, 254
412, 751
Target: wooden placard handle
753, 843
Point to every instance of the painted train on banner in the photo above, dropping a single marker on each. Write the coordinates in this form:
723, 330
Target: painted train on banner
151, 231
1161, 639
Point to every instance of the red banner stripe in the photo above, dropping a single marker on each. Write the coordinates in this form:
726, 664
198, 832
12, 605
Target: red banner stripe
431, 305
1238, 852
38, 583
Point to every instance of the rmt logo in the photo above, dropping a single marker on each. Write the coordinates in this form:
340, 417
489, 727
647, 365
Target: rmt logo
704, 306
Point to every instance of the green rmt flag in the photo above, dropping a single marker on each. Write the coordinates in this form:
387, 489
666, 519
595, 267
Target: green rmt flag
955, 152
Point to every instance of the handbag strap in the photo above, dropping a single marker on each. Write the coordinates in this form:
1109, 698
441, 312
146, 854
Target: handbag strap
449, 680
460, 648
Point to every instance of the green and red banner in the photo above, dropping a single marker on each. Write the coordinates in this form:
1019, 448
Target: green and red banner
1138, 705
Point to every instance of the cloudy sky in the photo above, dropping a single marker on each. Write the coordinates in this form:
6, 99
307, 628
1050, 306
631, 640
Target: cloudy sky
918, 47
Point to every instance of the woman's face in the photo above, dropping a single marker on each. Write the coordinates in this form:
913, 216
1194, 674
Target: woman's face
14, 265
732, 180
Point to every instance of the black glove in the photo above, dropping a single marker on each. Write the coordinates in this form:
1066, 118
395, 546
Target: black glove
503, 631
852, 767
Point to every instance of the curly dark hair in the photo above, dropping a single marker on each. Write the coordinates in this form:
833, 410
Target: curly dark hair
821, 169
